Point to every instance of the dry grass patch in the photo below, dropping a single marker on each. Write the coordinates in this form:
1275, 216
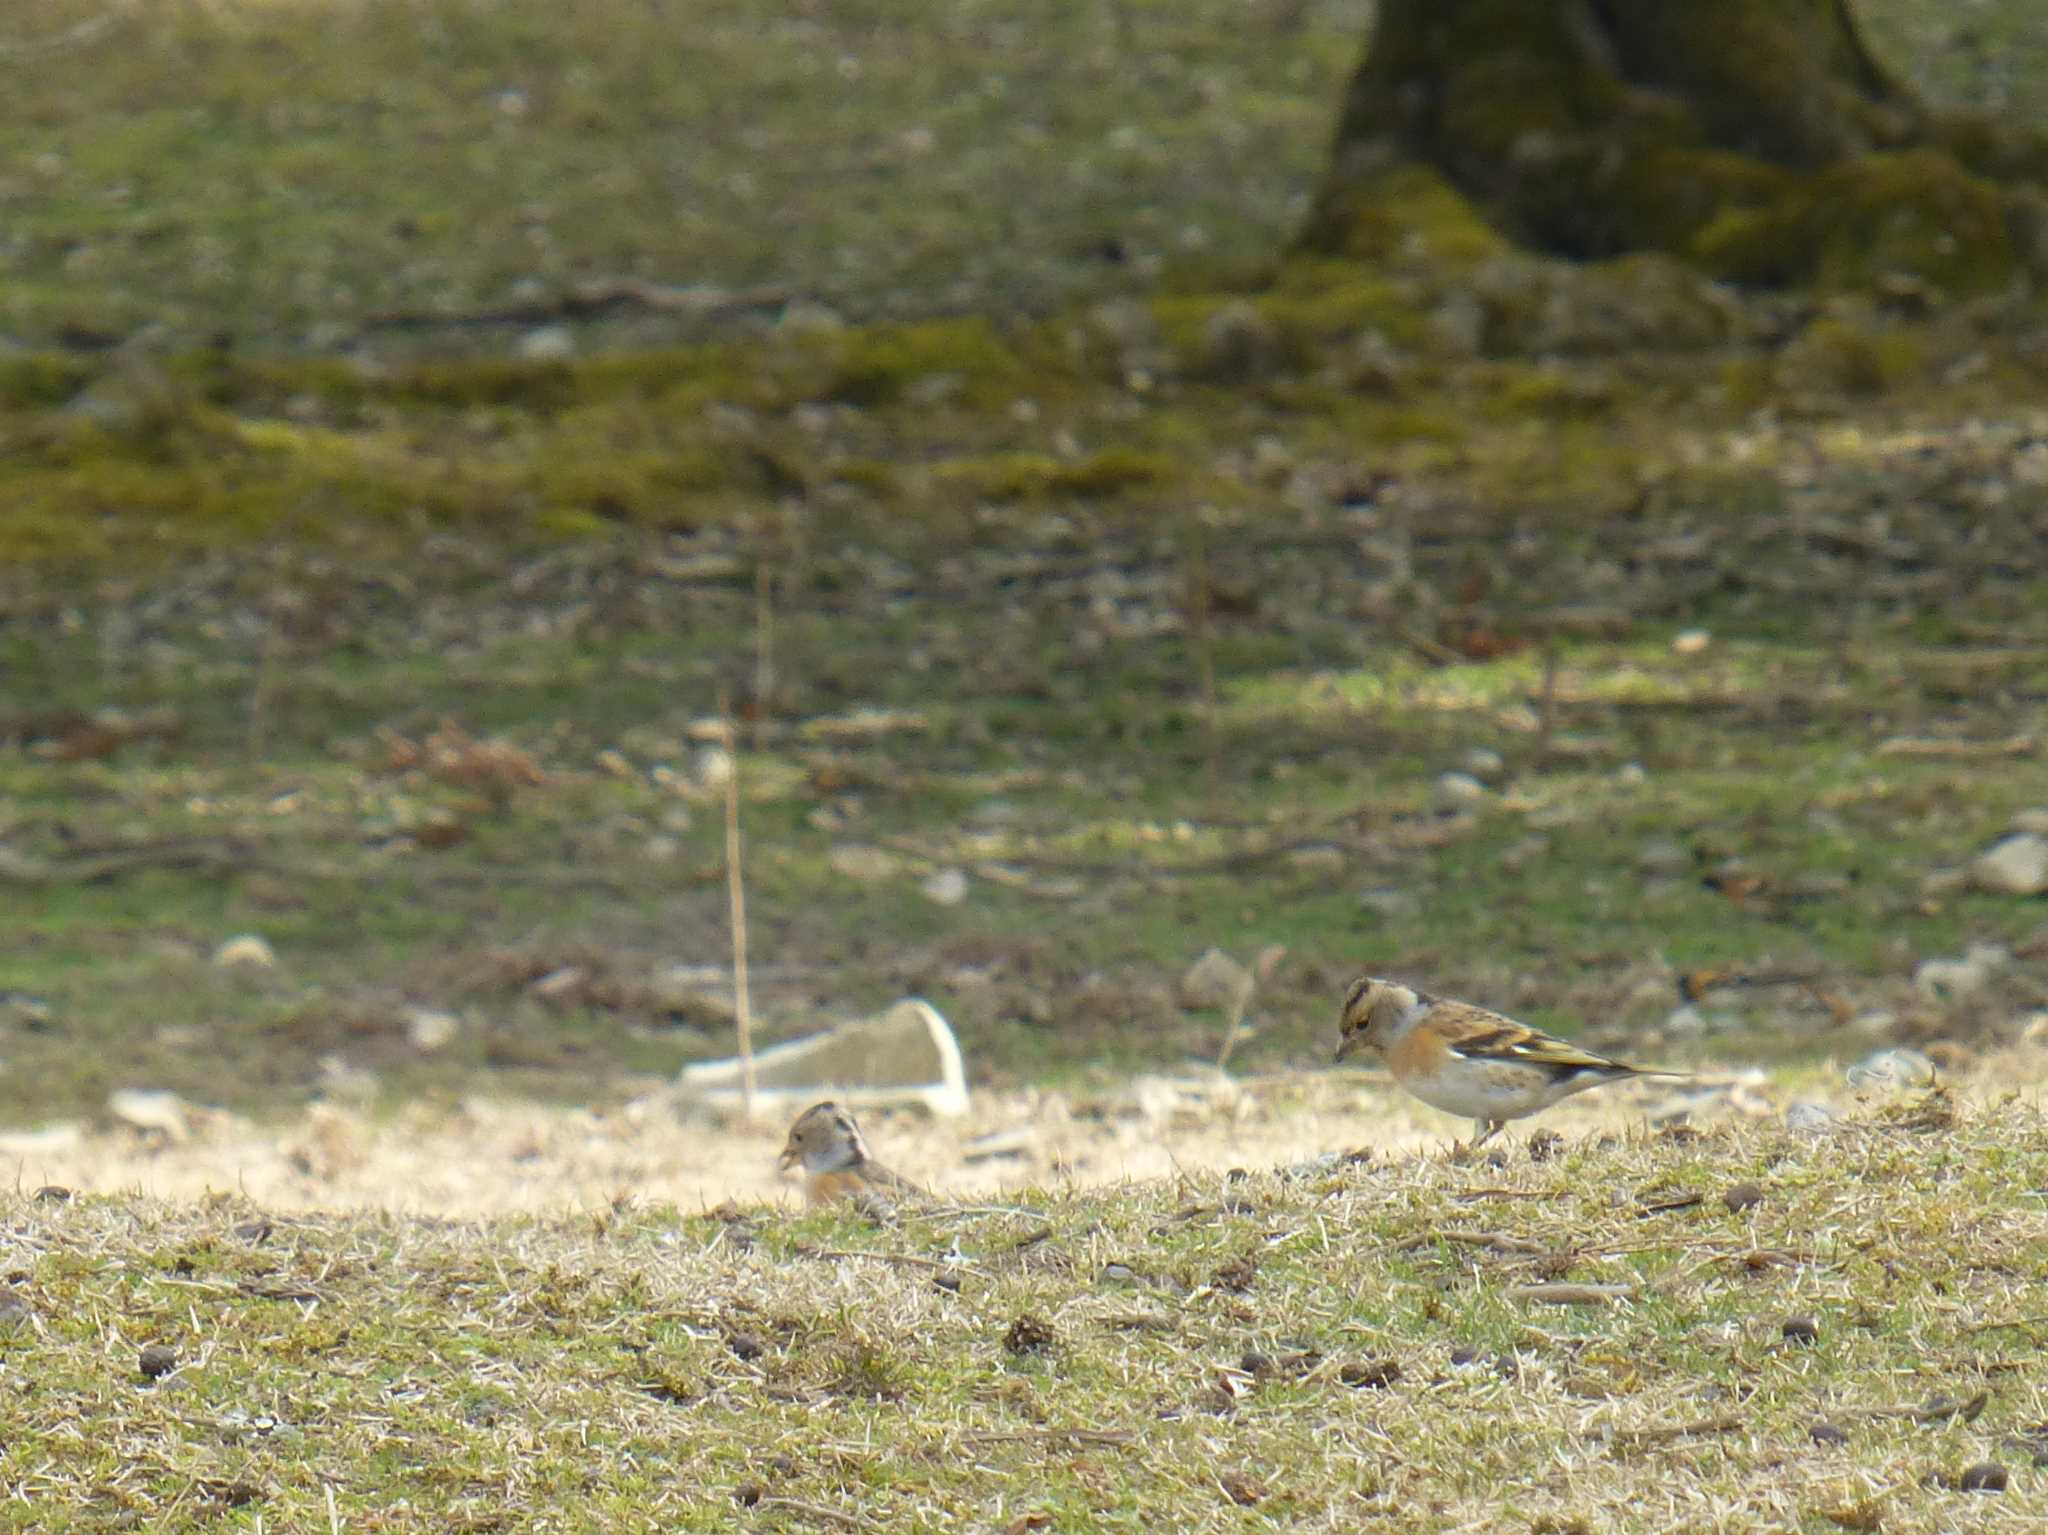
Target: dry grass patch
1593, 1335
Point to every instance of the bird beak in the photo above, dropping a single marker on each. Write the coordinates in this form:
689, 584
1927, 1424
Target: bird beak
1353, 1043
787, 1160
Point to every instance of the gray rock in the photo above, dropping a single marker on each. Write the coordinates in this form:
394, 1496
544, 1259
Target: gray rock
1458, 791
2016, 866
1390, 901
1484, 764
946, 887
1957, 980
1215, 980
548, 343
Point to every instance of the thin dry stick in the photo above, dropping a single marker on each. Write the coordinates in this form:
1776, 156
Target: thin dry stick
736, 892
764, 632
1205, 660
1234, 1029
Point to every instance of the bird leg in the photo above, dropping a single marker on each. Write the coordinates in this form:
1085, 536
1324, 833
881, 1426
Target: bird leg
1488, 1129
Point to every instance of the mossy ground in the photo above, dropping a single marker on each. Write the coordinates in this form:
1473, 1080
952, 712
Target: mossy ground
1155, 609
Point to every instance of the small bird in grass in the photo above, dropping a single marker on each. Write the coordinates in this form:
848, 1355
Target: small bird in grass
1466, 1060
828, 1145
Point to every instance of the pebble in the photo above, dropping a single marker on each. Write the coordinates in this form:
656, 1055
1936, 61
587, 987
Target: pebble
548, 343
245, 950
1459, 791
2018, 865
947, 887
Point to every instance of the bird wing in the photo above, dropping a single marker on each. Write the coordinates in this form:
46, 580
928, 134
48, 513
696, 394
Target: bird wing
1478, 1035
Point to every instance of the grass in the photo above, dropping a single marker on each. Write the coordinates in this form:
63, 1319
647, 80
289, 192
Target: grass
1342, 1344
1156, 597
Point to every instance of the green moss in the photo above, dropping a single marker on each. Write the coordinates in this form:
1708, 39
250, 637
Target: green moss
936, 362
649, 489
1661, 197
41, 379
1837, 355
1551, 392
1916, 214
1408, 216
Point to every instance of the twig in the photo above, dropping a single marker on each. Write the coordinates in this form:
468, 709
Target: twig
1567, 1294
816, 1511
73, 36
736, 894
764, 636
907, 1260
1499, 1241
1917, 746
2018, 1321
1632, 1437
1205, 659
1100, 1436
1471, 1194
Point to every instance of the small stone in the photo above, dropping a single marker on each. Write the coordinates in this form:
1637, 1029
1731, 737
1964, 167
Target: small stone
1215, 981
1257, 1365
1370, 1374
157, 1361
1632, 774
714, 767
1803, 1330
430, 1031
1985, 1476
1484, 764
746, 1345
14, 1311
1829, 1435
947, 887
254, 1232
53, 1194
947, 1281
802, 317
1957, 980
1119, 1273
1690, 642
1891, 1069
1466, 1355
2016, 866
1743, 1196
245, 950
1029, 1335
548, 343
156, 1111
1458, 791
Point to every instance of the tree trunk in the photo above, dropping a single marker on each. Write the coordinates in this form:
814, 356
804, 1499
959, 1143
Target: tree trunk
1591, 127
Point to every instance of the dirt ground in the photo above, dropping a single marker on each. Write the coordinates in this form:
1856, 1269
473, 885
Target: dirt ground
484, 1158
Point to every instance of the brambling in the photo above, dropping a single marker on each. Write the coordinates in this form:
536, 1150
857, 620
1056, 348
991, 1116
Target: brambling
1469, 1061
828, 1145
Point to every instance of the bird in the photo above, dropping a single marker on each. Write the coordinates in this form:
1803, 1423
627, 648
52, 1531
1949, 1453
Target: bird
829, 1147
1468, 1060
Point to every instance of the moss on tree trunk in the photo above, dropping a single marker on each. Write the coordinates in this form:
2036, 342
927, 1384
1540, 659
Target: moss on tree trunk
1759, 137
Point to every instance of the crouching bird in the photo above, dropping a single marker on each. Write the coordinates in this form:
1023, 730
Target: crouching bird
1467, 1060
828, 1145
